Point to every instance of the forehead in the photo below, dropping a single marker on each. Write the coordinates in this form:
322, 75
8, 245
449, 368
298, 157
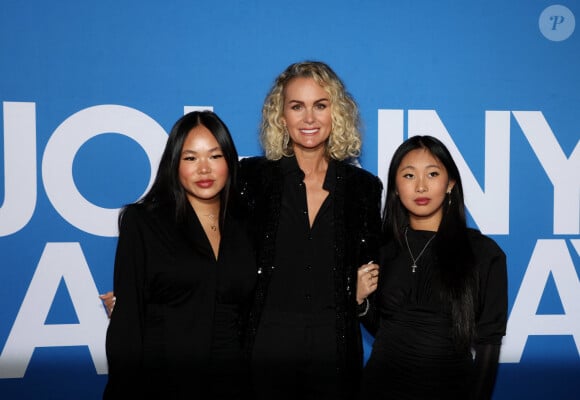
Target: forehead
304, 87
199, 136
420, 158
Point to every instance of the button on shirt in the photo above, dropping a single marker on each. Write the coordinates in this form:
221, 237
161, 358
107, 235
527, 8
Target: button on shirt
303, 279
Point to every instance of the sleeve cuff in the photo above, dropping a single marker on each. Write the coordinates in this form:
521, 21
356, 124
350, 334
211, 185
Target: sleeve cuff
363, 308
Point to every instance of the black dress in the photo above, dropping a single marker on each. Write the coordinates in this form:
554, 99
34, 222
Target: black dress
413, 355
176, 329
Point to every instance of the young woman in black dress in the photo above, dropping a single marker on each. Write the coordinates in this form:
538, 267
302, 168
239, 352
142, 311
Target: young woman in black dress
184, 275
440, 310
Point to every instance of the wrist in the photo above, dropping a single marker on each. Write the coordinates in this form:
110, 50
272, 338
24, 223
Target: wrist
363, 308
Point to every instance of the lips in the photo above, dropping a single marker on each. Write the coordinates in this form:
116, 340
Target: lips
205, 183
422, 201
309, 131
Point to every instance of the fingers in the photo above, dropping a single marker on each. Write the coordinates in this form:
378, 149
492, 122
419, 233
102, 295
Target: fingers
368, 268
373, 274
368, 271
367, 277
109, 300
111, 305
106, 296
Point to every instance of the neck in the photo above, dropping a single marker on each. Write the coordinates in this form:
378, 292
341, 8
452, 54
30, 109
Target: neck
209, 207
214, 212
424, 224
313, 161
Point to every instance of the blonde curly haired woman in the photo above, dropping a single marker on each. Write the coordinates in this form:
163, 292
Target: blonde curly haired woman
316, 222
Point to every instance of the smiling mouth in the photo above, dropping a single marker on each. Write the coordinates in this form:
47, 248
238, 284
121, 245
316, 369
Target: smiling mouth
309, 131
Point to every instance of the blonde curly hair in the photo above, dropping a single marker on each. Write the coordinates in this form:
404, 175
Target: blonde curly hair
345, 138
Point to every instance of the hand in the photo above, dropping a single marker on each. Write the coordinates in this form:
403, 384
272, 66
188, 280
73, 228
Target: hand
109, 301
367, 279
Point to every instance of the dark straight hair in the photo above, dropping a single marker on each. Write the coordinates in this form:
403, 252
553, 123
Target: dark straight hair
167, 188
455, 262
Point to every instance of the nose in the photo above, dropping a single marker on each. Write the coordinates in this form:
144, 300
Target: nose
421, 186
309, 115
204, 167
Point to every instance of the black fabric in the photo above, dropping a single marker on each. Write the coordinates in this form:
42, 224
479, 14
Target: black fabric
356, 217
178, 315
485, 371
295, 357
413, 355
304, 256
300, 311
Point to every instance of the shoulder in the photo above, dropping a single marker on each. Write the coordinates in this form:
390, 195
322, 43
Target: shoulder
132, 212
257, 172
484, 246
248, 164
356, 175
354, 172
255, 166
138, 214
131, 219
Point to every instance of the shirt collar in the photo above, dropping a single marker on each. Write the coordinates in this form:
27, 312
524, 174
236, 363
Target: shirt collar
289, 165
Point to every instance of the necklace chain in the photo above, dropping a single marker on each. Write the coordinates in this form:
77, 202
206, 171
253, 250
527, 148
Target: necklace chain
212, 223
414, 266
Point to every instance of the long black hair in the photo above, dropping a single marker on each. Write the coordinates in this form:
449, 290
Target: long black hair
167, 188
453, 253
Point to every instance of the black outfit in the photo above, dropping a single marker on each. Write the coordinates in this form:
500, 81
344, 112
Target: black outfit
413, 355
176, 329
304, 334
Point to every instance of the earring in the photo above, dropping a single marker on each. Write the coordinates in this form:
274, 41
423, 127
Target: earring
285, 139
449, 201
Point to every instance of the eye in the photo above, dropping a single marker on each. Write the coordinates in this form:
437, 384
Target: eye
321, 106
408, 175
216, 156
296, 107
433, 174
189, 158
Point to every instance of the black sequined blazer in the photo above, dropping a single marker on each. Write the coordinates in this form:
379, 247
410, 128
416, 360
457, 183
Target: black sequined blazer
357, 229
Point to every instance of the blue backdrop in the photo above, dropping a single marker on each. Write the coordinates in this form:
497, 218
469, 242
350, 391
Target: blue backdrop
89, 91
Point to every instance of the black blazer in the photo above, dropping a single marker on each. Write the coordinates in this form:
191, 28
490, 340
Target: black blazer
167, 282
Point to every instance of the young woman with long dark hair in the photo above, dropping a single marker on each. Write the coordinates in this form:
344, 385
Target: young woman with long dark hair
440, 309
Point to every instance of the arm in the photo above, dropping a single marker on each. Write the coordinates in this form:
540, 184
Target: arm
491, 322
125, 331
486, 360
366, 288
368, 313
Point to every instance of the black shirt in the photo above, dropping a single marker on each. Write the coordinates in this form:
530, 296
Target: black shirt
303, 281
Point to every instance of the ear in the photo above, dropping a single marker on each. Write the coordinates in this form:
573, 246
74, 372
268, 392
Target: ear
450, 186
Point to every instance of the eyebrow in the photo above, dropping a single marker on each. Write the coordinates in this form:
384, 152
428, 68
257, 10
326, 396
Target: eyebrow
413, 167
217, 148
315, 101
